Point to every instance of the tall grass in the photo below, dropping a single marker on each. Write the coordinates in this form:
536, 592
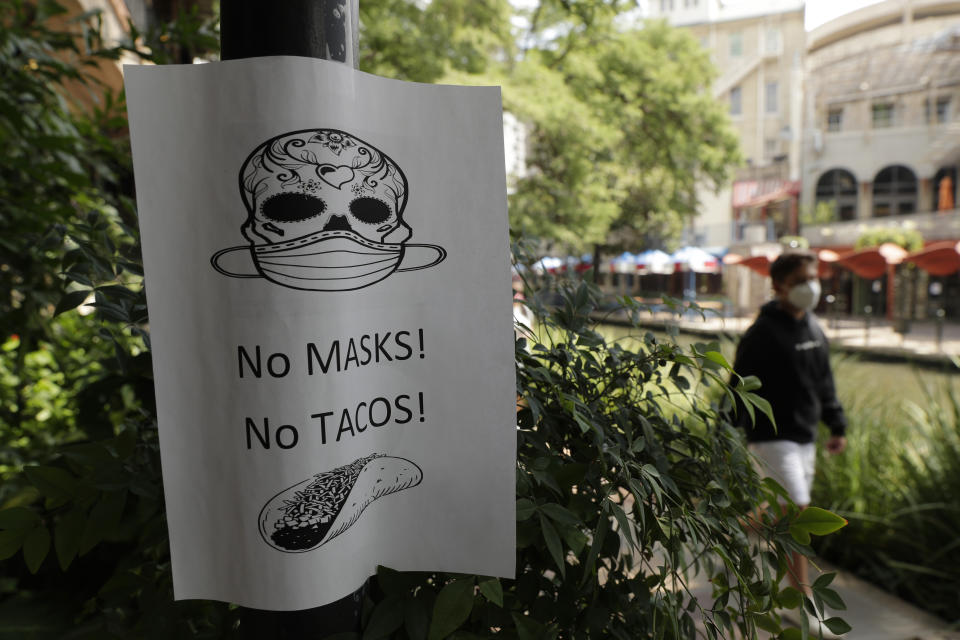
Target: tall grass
898, 484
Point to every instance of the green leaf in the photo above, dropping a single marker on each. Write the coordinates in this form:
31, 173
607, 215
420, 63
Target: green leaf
554, 546
71, 300
716, 356
528, 628
767, 623
525, 509
11, 541
574, 538
838, 626
416, 618
453, 606
791, 634
815, 521
824, 580
831, 598
559, 514
57, 484
386, 618
18, 519
66, 537
790, 598
396, 583
35, 548
103, 519
492, 590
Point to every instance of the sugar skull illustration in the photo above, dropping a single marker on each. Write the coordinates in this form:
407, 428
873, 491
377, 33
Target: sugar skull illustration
325, 213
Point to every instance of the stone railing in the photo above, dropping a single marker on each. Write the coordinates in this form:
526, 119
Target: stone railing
933, 226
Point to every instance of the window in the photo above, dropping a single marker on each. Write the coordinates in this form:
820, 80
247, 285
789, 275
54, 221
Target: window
736, 108
940, 113
773, 40
736, 44
770, 147
838, 187
835, 119
666, 5
883, 114
771, 97
894, 191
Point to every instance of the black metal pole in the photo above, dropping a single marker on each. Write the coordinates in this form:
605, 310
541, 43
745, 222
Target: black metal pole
325, 29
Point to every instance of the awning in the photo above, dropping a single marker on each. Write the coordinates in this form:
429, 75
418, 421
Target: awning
760, 193
872, 263
939, 259
761, 263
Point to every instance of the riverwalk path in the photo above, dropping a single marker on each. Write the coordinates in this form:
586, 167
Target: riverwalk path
926, 342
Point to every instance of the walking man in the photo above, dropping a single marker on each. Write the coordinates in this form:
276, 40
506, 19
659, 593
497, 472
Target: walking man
787, 350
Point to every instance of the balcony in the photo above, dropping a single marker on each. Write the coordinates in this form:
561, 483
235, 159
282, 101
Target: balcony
933, 226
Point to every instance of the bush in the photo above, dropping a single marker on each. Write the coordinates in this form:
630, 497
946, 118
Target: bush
630, 487
898, 484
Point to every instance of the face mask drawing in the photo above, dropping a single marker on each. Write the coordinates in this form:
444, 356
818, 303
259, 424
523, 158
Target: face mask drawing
805, 295
324, 213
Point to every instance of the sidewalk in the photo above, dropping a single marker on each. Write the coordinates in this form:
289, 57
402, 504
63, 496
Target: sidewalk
872, 613
874, 339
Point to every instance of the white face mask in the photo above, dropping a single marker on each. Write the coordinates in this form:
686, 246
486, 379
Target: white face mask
805, 295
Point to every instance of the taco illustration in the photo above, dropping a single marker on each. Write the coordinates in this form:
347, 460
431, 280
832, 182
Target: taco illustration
313, 512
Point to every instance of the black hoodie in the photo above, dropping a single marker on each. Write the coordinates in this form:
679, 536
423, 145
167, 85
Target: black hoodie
792, 360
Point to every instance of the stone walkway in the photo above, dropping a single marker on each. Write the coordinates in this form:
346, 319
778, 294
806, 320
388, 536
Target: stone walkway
872, 613
925, 342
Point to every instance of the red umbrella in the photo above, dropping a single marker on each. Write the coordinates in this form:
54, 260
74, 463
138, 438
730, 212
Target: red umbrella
939, 259
872, 263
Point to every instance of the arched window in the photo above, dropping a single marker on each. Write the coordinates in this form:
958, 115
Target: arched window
894, 191
839, 188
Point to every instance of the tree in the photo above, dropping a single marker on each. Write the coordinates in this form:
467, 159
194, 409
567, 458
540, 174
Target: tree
622, 125
629, 133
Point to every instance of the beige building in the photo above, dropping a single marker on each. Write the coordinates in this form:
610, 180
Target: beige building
882, 127
758, 47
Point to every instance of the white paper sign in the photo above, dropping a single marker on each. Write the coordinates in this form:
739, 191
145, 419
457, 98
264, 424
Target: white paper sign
327, 267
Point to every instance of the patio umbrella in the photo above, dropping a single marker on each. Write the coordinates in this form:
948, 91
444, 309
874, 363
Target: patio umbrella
655, 261
938, 259
872, 263
695, 259
626, 262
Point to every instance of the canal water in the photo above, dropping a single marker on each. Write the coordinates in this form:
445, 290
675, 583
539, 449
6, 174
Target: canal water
857, 379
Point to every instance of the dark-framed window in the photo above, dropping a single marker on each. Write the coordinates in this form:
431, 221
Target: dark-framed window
894, 191
736, 101
839, 186
884, 115
835, 119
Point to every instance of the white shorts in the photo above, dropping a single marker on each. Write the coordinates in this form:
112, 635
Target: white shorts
790, 463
